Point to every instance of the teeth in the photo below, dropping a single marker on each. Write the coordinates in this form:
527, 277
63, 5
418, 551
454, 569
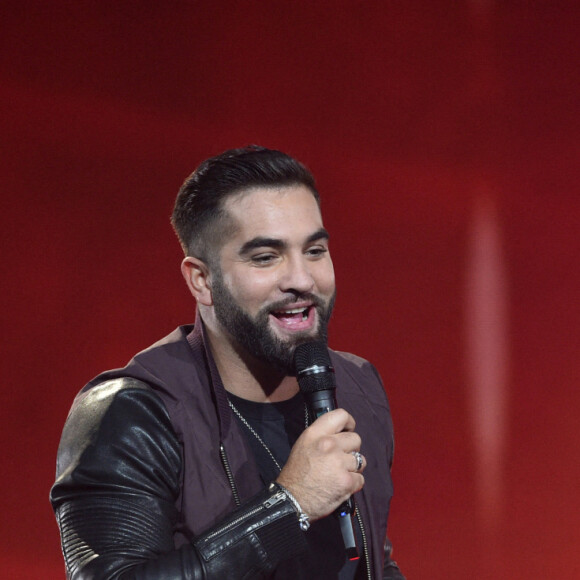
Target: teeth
295, 311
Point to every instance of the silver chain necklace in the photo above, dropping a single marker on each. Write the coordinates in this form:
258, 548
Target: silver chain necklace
260, 440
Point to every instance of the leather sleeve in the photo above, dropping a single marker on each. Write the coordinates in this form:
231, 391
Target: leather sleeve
118, 477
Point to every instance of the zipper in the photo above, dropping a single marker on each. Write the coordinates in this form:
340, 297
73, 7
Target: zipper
365, 543
271, 501
229, 475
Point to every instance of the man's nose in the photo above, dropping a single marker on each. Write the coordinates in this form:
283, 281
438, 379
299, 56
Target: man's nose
297, 275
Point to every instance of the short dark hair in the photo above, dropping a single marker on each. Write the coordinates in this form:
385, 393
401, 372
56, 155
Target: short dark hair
199, 204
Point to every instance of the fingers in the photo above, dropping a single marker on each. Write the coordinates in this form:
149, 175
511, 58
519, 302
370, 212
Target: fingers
334, 422
360, 461
334, 431
353, 480
328, 435
358, 482
325, 465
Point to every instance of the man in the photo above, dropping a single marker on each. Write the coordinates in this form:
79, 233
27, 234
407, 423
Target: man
196, 460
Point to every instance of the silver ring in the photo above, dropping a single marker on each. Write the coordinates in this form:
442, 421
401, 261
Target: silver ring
359, 460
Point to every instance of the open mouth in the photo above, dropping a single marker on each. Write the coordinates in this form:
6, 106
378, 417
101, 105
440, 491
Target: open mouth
299, 318
295, 314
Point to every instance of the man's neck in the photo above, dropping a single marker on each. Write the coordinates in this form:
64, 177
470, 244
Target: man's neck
247, 377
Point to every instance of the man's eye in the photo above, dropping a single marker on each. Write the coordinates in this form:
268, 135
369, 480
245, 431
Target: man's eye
317, 251
263, 259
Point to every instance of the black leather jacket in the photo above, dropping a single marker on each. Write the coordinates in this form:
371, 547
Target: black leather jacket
118, 478
117, 497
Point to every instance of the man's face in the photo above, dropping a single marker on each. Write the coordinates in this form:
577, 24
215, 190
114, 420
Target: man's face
274, 287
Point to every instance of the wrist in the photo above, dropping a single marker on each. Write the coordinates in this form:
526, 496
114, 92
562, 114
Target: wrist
303, 519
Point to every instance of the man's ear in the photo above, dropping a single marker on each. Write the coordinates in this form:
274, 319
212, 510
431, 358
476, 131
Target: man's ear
197, 278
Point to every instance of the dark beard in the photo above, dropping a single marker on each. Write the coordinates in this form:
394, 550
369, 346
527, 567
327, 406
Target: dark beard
254, 335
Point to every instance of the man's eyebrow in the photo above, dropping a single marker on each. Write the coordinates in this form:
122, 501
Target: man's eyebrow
262, 242
321, 234
277, 243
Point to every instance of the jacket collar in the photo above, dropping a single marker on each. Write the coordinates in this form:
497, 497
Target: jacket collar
199, 344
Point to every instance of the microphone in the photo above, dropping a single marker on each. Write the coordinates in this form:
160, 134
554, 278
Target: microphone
317, 383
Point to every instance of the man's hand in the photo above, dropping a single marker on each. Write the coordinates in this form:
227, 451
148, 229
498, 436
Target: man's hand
321, 470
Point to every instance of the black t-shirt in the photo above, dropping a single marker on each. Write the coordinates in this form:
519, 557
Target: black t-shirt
279, 425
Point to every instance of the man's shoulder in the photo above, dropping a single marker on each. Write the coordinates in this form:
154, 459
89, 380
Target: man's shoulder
177, 339
359, 388
123, 392
348, 357
106, 428
358, 370
106, 390
150, 365
352, 363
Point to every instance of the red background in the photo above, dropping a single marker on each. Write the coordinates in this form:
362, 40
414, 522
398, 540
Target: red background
406, 113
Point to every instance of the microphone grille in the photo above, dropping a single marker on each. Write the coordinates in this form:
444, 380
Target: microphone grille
309, 354
313, 354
